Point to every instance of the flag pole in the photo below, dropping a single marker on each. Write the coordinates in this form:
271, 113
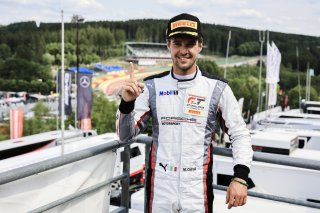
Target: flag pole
76, 97
308, 82
267, 85
227, 55
307, 77
297, 54
77, 19
261, 39
225, 76
57, 92
62, 83
76, 75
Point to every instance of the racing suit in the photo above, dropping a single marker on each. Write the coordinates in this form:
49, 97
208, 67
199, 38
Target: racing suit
184, 119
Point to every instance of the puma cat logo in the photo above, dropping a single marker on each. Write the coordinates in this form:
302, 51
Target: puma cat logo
164, 167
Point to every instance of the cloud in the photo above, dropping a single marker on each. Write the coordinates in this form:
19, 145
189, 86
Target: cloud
229, 2
248, 13
288, 16
83, 4
33, 3
201, 5
23, 1
178, 3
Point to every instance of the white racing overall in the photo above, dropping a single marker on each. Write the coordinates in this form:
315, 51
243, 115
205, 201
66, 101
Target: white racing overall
184, 119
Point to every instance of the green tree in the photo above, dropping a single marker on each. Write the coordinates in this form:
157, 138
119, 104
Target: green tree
4, 131
41, 122
140, 34
70, 59
40, 110
210, 67
47, 59
120, 36
3, 137
249, 48
294, 96
54, 48
103, 116
5, 51
25, 52
89, 58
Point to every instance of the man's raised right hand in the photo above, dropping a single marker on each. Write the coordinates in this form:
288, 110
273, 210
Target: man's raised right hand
131, 89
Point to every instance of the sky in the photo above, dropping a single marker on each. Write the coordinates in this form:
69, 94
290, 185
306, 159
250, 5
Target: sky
287, 16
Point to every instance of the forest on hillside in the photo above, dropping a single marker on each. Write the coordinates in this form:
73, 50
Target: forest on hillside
28, 52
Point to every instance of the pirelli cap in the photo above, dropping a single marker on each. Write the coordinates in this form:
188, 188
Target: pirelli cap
184, 24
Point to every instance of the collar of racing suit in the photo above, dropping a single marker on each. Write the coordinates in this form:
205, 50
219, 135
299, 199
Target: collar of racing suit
187, 83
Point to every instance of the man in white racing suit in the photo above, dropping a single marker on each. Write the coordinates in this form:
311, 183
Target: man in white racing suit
185, 104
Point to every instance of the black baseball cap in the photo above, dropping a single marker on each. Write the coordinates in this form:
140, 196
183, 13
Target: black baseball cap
184, 24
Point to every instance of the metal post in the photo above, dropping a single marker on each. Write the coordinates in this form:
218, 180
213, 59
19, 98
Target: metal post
76, 99
267, 97
225, 76
227, 55
146, 166
57, 91
126, 182
262, 96
307, 81
261, 39
75, 76
147, 141
77, 19
297, 54
307, 77
309, 85
309, 98
267, 85
62, 83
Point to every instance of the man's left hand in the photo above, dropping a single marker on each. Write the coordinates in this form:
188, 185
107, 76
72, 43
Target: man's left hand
236, 194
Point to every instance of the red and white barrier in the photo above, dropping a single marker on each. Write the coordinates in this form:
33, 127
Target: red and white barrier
16, 123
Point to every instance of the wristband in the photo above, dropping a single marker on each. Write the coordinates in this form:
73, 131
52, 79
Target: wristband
238, 181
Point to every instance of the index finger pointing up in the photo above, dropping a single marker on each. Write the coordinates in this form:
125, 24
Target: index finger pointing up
131, 71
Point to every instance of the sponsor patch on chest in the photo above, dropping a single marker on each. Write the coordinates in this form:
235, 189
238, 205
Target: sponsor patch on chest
194, 105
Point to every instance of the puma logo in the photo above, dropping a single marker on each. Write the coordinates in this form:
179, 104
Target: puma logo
164, 167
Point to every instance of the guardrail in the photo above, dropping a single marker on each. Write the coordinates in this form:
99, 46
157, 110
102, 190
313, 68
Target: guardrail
29, 170
26, 171
262, 157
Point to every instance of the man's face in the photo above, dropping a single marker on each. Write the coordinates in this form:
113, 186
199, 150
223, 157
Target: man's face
184, 52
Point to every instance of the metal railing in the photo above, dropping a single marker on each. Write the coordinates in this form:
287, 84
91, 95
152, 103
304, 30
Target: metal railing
78, 194
26, 171
274, 159
29, 170
261, 157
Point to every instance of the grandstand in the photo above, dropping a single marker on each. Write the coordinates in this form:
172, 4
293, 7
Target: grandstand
146, 53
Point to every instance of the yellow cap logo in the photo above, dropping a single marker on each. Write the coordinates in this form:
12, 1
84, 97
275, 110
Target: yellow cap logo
184, 23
